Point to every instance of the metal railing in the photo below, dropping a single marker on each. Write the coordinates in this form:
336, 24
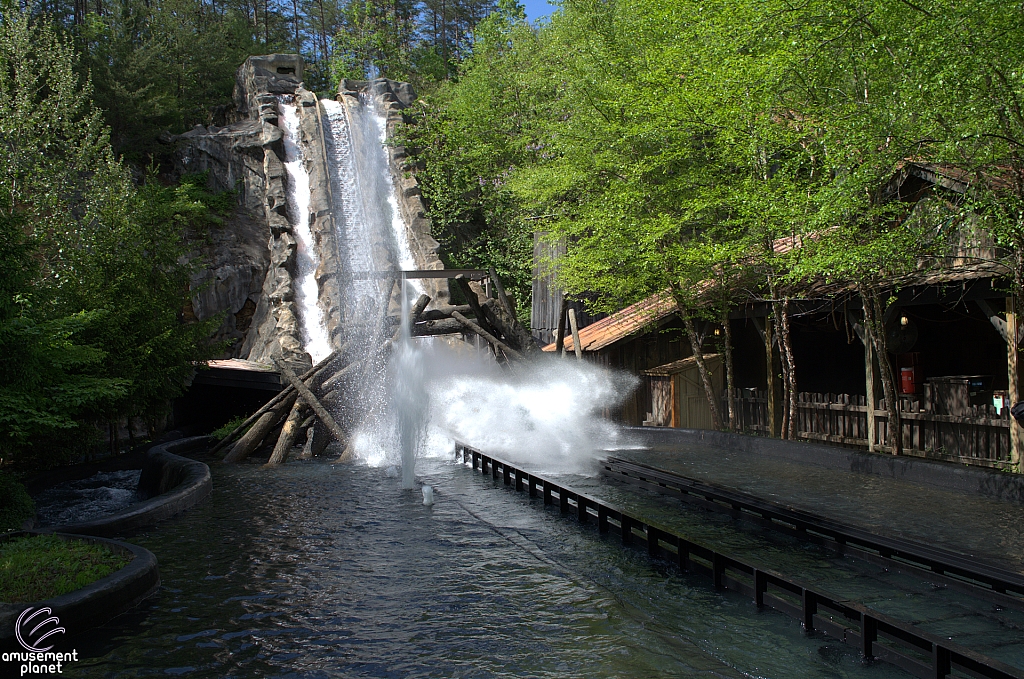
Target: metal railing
874, 634
1003, 586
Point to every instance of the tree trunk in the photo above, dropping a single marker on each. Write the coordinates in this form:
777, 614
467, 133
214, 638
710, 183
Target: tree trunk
873, 325
769, 359
789, 369
729, 386
702, 369
252, 438
289, 433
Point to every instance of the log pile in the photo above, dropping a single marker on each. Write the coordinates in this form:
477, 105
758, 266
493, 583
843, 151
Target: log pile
299, 407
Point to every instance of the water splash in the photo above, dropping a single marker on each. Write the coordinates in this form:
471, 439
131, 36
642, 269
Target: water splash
314, 331
430, 393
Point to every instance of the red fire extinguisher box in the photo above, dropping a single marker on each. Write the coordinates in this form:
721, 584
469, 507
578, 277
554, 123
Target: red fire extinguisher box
910, 372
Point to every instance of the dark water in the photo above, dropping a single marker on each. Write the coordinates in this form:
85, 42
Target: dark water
100, 494
967, 523
314, 570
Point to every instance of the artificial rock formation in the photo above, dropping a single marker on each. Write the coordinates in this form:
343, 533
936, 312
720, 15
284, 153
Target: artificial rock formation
251, 259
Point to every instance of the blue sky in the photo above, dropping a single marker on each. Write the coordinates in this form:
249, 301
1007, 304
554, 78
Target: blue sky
535, 9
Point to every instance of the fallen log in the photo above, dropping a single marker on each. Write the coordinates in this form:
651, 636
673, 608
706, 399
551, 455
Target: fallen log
474, 305
500, 289
446, 326
334, 380
251, 440
443, 312
309, 398
414, 312
283, 394
514, 334
290, 432
495, 342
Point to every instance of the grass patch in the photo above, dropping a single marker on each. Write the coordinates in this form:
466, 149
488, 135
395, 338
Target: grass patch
220, 432
44, 566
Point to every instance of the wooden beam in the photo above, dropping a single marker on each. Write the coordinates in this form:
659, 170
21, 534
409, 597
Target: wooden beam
495, 342
309, 398
998, 323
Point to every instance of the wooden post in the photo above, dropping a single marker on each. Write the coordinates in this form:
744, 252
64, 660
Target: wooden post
560, 337
575, 335
869, 384
1013, 393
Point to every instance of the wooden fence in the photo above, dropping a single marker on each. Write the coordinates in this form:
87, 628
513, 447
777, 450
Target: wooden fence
980, 437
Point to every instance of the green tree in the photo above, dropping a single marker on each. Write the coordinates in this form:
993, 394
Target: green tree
94, 271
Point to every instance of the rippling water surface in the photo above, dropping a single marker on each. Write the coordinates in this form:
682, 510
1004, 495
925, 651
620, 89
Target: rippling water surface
314, 570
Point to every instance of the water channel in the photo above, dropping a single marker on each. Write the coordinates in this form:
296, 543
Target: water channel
319, 570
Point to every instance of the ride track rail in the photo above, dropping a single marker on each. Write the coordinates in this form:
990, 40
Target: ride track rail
874, 634
1001, 586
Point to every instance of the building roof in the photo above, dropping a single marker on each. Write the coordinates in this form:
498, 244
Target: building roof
659, 306
682, 365
622, 323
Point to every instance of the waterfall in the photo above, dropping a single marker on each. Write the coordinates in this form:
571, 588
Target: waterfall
373, 242
314, 331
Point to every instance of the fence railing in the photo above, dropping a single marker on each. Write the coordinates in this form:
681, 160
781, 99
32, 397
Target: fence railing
981, 437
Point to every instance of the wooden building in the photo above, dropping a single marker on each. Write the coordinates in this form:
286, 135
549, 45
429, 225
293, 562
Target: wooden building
955, 359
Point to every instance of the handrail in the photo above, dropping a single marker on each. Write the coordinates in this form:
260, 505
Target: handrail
875, 634
955, 568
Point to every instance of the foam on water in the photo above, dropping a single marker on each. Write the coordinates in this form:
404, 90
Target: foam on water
547, 415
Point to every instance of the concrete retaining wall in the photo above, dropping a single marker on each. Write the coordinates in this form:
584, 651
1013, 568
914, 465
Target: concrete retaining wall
94, 604
948, 475
169, 484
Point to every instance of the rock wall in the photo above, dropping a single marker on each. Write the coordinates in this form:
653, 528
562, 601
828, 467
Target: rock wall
252, 260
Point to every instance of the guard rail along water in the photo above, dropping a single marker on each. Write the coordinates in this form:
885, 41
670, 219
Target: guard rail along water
874, 634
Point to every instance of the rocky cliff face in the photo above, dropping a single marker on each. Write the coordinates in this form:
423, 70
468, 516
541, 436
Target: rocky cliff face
252, 258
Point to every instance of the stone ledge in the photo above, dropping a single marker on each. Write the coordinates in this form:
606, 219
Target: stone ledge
94, 604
